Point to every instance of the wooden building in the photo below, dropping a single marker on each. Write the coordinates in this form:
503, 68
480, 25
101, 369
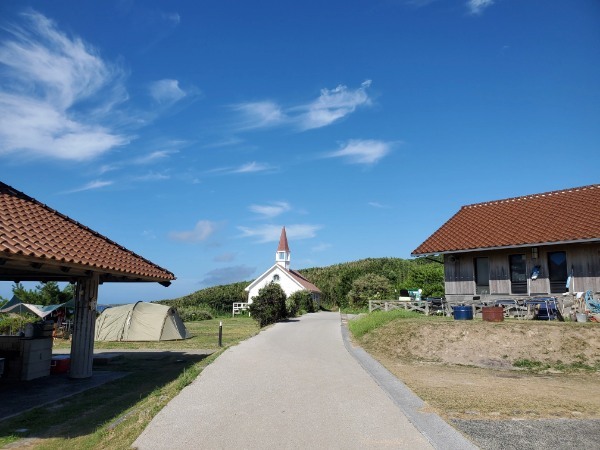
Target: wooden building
37, 243
542, 244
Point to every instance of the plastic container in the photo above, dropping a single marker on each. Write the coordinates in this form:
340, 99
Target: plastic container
60, 364
581, 317
492, 313
463, 312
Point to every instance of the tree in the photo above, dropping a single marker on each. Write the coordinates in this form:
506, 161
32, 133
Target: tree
369, 287
428, 277
269, 305
44, 294
300, 301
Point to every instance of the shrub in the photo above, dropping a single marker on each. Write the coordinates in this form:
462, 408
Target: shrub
269, 305
12, 324
291, 306
368, 287
193, 313
304, 301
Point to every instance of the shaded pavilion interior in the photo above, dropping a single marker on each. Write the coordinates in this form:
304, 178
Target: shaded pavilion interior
38, 243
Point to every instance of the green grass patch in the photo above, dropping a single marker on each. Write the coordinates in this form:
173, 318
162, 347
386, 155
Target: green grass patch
204, 336
363, 325
539, 366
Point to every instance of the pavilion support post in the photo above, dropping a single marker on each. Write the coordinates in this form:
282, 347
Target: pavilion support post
82, 347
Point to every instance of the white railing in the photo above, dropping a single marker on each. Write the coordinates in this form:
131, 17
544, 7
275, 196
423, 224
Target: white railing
239, 308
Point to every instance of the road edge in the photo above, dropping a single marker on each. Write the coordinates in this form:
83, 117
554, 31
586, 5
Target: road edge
440, 434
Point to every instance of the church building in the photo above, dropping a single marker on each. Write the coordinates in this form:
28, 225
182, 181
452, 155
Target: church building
289, 280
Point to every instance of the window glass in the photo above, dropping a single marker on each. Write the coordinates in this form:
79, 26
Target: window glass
518, 274
557, 271
482, 275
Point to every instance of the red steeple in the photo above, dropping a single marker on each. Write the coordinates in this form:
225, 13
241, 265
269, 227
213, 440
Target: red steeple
283, 242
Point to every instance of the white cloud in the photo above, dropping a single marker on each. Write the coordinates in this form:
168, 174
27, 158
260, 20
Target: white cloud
330, 106
363, 151
154, 156
166, 91
271, 233
251, 168
272, 210
152, 176
333, 105
202, 231
97, 184
477, 6
55, 93
260, 114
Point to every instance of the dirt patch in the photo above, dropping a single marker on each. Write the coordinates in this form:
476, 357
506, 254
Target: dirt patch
465, 369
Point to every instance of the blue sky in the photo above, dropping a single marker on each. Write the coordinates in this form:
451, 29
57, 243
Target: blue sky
191, 132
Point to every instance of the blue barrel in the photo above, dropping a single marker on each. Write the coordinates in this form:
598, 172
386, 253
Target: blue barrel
463, 312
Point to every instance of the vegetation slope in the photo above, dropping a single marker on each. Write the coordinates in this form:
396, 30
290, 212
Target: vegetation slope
339, 283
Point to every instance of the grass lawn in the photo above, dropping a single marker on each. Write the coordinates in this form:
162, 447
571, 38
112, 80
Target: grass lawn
111, 416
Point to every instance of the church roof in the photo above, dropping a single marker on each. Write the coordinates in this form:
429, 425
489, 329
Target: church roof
303, 281
283, 242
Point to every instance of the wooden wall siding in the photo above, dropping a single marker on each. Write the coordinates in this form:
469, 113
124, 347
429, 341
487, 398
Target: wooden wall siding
499, 273
459, 274
583, 259
585, 262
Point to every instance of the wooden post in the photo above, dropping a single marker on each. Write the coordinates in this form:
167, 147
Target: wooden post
82, 347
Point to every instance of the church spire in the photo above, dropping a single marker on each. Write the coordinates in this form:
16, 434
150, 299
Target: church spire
282, 257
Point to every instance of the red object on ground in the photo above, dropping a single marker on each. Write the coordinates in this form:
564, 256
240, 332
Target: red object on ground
60, 364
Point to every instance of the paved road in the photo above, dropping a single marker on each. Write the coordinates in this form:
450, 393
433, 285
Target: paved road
293, 385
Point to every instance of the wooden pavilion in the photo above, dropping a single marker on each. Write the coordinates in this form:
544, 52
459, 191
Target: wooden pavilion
37, 243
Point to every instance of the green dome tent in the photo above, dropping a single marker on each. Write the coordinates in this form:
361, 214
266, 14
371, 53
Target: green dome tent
140, 322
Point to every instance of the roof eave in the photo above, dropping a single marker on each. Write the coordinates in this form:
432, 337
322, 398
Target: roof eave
507, 247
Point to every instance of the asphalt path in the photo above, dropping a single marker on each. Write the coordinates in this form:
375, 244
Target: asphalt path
294, 385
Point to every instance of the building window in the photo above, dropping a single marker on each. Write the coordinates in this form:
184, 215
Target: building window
557, 272
518, 274
276, 278
281, 256
482, 275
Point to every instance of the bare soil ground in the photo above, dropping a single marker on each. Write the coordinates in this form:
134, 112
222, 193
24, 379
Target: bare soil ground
465, 369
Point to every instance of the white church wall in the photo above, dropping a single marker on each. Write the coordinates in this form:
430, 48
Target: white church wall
288, 285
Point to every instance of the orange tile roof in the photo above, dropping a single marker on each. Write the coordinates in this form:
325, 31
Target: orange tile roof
569, 215
35, 231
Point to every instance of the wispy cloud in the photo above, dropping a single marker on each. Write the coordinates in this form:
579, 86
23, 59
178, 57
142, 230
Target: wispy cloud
97, 184
378, 205
271, 233
202, 231
331, 106
227, 275
271, 210
166, 91
56, 93
263, 114
477, 6
152, 176
363, 151
251, 167
153, 157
